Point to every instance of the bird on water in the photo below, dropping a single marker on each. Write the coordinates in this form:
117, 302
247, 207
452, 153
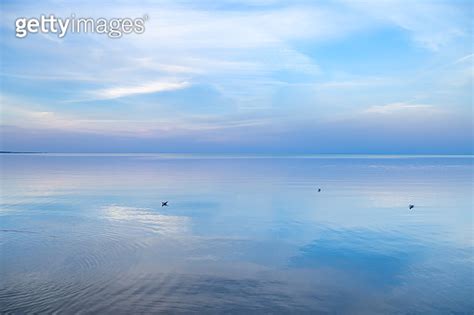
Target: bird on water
319, 189
411, 207
164, 203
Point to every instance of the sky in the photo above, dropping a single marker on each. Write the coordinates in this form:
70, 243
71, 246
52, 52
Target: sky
252, 76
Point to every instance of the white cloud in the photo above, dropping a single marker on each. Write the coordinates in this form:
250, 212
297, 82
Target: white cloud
201, 44
250, 58
464, 59
399, 108
151, 87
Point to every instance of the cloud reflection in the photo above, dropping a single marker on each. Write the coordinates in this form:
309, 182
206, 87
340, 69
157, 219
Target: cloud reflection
148, 219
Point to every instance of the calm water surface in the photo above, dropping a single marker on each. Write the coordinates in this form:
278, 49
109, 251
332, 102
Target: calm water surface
87, 233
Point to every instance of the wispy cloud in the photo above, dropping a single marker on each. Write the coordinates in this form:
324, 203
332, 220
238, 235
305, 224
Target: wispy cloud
17, 113
464, 59
432, 24
147, 88
399, 108
355, 83
248, 65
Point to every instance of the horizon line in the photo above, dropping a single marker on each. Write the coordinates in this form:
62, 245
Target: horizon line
228, 154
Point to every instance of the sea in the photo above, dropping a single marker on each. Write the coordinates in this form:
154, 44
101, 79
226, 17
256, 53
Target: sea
240, 234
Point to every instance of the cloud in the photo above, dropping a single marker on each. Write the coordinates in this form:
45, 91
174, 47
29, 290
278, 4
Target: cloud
394, 108
18, 112
432, 24
464, 59
151, 87
149, 219
220, 48
247, 65
356, 83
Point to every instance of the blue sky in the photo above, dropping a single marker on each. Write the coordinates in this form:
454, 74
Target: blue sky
255, 76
